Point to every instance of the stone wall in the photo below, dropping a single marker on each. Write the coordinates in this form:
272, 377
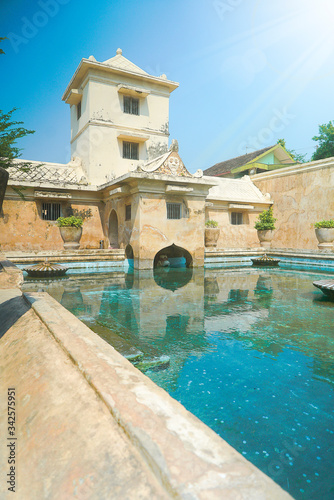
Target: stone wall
23, 229
153, 231
302, 195
235, 236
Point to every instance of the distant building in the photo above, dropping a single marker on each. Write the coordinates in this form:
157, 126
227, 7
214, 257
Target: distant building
263, 160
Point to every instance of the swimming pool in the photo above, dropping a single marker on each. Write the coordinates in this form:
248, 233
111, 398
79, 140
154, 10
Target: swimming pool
251, 354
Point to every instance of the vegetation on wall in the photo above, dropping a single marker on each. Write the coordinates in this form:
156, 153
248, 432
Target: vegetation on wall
85, 213
266, 220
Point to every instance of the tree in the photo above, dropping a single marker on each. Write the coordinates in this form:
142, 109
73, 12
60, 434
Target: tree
325, 149
295, 156
2, 38
10, 132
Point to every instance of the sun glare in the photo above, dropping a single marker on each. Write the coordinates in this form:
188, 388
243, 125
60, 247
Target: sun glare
297, 38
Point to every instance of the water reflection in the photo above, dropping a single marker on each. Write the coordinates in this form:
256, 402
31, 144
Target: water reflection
177, 310
172, 278
251, 352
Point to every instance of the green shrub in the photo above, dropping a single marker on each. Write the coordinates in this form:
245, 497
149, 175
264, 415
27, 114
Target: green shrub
266, 220
324, 224
70, 221
211, 223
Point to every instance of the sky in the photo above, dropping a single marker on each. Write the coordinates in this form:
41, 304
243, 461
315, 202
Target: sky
250, 71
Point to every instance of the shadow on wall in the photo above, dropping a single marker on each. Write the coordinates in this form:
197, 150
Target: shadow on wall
173, 256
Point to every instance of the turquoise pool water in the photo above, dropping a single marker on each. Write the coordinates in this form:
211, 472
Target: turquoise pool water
251, 354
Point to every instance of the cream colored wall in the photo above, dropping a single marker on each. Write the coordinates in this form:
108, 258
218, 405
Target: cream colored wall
301, 196
102, 109
157, 232
23, 229
150, 231
235, 236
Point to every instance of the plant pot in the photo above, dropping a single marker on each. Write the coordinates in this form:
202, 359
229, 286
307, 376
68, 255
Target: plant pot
325, 237
211, 236
71, 237
265, 237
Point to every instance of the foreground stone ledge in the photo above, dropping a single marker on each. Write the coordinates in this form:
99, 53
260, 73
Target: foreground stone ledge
189, 460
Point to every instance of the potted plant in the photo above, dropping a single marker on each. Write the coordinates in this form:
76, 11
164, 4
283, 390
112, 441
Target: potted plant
324, 231
70, 231
265, 225
211, 233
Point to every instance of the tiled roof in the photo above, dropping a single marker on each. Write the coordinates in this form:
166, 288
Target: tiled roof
239, 161
51, 173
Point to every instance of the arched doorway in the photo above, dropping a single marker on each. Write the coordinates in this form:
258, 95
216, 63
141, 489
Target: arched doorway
129, 255
113, 229
176, 256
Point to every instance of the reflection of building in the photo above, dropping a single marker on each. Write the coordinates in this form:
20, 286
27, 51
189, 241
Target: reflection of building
141, 195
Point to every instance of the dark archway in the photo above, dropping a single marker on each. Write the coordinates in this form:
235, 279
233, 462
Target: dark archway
176, 256
129, 255
113, 229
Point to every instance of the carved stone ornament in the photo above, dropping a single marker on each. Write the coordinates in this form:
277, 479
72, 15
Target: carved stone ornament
52, 194
173, 165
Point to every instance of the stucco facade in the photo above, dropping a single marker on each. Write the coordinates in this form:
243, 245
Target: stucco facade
302, 195
101, 122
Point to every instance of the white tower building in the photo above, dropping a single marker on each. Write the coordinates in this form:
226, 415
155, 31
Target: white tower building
119, 116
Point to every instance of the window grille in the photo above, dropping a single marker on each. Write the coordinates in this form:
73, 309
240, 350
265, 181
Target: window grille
173, 210
131, 105
236, 218
130, 150
50, 211
127, 212
78, 110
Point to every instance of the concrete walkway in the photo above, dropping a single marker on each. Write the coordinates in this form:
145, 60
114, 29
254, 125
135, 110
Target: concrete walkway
91, 426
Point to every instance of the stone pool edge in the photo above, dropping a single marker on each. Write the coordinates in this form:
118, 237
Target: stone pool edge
189, 460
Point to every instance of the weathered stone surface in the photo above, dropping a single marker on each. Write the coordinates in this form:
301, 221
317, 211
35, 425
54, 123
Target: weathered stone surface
68, 444
22, 227
59, 406
302, 195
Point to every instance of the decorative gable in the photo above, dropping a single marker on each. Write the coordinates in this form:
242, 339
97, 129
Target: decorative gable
173, 165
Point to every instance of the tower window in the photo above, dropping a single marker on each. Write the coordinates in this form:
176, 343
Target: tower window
131, 150
173, 210
50, 211
131, 105
78, 110
127, 212
236, 218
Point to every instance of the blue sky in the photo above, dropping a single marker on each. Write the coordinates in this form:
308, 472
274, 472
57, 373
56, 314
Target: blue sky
250, 71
